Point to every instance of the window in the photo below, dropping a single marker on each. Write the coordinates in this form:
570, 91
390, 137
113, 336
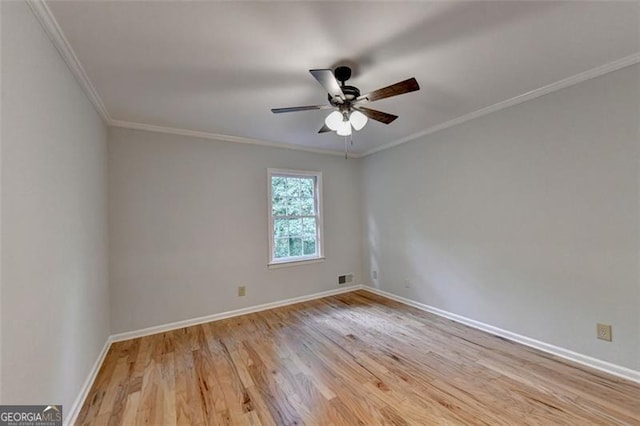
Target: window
295, 216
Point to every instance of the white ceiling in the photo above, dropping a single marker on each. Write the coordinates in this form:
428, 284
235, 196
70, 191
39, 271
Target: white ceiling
219, 67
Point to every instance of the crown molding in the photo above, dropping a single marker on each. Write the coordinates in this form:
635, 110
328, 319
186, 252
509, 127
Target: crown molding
51, 27
536, 93
220, 137
544, 90
55, 34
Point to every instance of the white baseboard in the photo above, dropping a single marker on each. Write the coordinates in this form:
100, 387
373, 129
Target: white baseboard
597, 364
86, 387
72, 416
229, 314
607, 367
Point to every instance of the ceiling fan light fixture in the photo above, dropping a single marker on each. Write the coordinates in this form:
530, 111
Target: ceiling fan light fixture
358, 120
334, 120
344, 129
348, 100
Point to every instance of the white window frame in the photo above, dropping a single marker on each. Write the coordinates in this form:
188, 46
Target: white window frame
297, 260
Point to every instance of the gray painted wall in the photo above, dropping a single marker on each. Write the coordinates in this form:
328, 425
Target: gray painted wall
525, 219
55, 300
188, 225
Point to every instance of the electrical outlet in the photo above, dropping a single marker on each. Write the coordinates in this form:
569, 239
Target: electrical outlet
604, 332
374, 275
407, 283
242, 291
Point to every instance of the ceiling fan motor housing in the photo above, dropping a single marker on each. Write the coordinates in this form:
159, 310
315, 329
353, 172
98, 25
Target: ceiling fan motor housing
343, 74
350, 93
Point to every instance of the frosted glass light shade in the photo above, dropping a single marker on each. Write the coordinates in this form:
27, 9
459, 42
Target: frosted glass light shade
358, 120
334, 120
344, 129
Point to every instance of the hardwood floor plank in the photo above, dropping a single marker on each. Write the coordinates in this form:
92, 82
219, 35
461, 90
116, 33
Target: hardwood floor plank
351, 359
190, 407
130, 409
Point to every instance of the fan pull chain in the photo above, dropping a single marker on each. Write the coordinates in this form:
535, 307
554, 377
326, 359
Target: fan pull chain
346, 157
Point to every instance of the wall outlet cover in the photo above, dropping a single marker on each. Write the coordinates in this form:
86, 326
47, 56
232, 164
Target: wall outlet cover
242, 291
604, 332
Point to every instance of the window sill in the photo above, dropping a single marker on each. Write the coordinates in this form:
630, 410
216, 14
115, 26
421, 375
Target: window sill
291, 263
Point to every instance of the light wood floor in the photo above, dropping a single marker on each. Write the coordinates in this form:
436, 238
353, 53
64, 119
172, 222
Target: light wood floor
352, 359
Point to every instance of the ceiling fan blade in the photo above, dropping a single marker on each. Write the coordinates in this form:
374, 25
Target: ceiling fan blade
328, 80
407, 86
380, 116
300, 108
324, 129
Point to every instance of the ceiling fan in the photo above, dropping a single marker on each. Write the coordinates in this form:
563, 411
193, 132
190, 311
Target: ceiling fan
348, 102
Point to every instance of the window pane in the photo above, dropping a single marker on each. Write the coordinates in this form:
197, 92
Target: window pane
293, 207
306, 187
295, 227
295, 246
293, 187
279, 208
309, 246
281, 248
278, 187
306, 206
278, 196
280, 228
309, 226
